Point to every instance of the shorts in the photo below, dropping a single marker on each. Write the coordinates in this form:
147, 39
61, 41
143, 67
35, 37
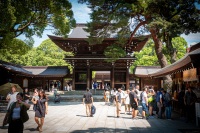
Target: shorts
134, 106
144, 107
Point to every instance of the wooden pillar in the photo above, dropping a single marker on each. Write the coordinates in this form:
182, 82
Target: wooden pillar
127, 78
73, 79
88, 77
112, 77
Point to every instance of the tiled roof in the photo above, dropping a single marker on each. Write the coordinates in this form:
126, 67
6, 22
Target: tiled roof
36, 71
79, 32
144, 71
48, 71
14, 68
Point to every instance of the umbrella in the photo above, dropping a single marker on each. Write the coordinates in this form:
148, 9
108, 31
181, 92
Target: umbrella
6, 88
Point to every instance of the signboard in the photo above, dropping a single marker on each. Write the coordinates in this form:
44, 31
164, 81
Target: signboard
190, 75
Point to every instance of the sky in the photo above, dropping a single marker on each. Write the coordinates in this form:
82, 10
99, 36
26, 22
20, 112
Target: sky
81, 14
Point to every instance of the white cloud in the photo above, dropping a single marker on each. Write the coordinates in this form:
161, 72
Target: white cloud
192, 38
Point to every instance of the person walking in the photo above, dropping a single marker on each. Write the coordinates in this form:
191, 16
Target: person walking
35, 98
17, 115
26, 95
145, 112
107, 93
118, 102
137, 91
122, 97
113, 95
127, 102
88, 101
41, 109
134, 103
11, 97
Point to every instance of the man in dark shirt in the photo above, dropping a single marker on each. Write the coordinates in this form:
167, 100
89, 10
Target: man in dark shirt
133, 103
88, 101
189, 100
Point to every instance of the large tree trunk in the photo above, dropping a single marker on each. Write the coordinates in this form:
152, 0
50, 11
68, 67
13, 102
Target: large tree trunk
172, 51
161, 57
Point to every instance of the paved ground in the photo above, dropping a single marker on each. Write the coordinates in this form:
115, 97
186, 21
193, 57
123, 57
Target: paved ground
70, 118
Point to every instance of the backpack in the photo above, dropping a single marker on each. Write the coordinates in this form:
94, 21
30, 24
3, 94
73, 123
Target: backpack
93, 109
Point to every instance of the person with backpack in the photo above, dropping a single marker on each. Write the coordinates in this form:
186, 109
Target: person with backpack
88, 101
167, 102
159, 101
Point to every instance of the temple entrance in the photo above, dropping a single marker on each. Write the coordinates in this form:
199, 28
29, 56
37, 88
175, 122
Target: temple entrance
88, 58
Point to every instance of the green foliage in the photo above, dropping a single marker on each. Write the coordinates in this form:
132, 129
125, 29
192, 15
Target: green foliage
147, 56
127, 19
47, 54
13, 51
31, 17
180, 45
113, 52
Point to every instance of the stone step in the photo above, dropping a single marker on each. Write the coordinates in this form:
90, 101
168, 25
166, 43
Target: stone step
77, 92
75, 98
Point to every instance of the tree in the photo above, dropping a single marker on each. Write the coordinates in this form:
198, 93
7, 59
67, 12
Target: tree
13, 51
147, 56
163, 20
31, 17
47, 54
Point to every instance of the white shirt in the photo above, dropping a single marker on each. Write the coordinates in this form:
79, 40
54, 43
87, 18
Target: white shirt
127, 99
144, 96
122, 94
12, 98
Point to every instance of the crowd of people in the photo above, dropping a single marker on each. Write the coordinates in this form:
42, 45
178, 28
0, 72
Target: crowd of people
153, 103
18, 105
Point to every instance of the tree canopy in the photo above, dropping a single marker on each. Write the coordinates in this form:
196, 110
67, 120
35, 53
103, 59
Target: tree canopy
31, 17
163, 20
147, 56
14, 51
47, 54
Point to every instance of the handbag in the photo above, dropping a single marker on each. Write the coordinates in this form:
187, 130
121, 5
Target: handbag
93, 109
